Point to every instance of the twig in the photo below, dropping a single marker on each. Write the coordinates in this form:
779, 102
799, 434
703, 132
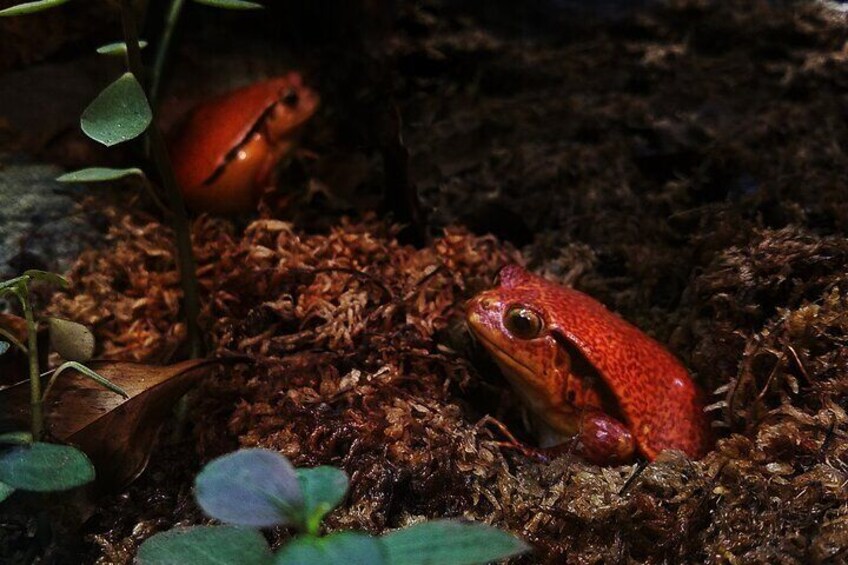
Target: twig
162, 51
182, 232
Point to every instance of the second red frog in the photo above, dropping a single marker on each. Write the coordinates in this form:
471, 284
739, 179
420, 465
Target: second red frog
225, 156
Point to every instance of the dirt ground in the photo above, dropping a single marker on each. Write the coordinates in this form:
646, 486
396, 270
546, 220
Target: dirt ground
685, 164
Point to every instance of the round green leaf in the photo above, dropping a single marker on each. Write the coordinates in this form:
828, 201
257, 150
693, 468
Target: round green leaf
71, 340
205, 545
250, 487
45, 467
449, 542
99, 174
231, 4
5, 491
118, 48
345, 547
31, 7
323, 489
119, 113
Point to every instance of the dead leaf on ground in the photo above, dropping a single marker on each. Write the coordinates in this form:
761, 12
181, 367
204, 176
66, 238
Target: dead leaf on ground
116, 433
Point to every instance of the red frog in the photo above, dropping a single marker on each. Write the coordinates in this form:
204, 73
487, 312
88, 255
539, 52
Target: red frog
583, 371
225, 156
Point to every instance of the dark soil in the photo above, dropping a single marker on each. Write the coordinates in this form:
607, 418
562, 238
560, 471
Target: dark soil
685, 164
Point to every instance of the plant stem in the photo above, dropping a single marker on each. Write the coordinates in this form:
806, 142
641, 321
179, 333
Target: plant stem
35, 401
171, 20
182, 231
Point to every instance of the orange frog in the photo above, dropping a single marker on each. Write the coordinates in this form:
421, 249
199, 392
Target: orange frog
584, 372
226, 154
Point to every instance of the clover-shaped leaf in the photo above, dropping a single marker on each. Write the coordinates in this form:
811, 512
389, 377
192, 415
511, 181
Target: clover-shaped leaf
250, 487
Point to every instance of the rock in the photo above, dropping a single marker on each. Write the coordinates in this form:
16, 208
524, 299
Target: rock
41, 227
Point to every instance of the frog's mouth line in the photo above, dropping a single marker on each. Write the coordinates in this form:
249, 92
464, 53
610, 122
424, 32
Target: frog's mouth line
506, 361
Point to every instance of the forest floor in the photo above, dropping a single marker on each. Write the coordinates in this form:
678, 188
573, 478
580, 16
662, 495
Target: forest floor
684, 164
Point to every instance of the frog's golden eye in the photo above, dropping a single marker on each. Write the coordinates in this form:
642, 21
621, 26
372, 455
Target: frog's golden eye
523, 323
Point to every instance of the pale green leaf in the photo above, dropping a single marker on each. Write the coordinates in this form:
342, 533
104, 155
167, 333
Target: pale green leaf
99, 174
71, 340
85, 371
118, 48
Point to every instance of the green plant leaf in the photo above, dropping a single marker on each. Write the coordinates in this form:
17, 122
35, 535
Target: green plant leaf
16, 438
48, 277
85, 371
4, 347
11, 284
250, 487
118, 48
99, 174
323, 489
31, 7
205, 545
450, 542
231, 4
71, 340
345, 547
45, 467
119, 113
5, 491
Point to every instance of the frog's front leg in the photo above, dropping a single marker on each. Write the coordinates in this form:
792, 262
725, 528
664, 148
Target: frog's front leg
604, 440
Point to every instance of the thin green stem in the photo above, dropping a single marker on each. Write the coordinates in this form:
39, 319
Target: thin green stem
171, 20
182, 231
36, 404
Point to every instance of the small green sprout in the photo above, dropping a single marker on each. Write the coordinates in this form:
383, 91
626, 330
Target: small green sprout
27, 463
255, 488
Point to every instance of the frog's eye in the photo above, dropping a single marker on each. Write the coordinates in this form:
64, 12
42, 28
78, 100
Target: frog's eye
523, 323
290, 98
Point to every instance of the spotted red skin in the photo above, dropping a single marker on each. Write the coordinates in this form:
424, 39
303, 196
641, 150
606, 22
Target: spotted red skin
217, 126
655, 394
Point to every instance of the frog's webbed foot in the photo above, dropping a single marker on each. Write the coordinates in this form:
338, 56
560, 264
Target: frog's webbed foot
513, 442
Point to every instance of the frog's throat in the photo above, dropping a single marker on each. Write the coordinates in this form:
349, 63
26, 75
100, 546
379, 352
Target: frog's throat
559, 418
